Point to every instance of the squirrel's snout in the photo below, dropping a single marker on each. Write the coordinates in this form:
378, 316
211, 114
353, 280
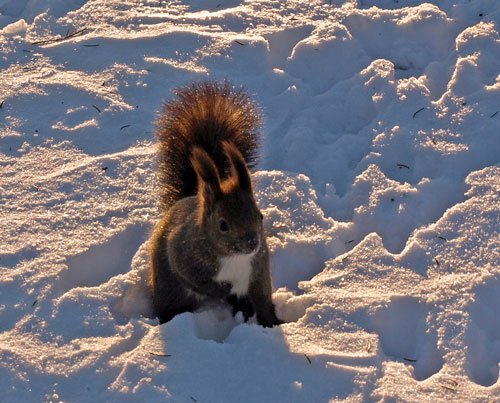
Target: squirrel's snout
253, 242
249, 243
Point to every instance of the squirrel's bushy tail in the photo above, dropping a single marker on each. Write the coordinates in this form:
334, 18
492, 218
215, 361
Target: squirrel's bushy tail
203, 115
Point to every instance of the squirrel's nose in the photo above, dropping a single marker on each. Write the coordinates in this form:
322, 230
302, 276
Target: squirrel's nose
253, 241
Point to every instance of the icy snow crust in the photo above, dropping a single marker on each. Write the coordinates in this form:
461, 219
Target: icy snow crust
379, 182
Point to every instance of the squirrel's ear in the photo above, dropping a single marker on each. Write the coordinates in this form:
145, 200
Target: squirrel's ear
208, 178
239, 168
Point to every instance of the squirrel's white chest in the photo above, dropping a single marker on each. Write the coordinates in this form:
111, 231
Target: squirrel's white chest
236, 270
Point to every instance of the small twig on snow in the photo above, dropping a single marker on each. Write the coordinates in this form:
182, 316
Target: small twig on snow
160, 354
403, 166
420, 110
63, 38
96, 108
452, 384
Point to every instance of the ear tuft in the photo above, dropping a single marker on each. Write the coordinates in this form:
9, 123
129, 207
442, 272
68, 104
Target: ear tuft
208, 179
239, 171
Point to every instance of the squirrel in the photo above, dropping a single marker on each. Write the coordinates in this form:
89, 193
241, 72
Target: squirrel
209, 246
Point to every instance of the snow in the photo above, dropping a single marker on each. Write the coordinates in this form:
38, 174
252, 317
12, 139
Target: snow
379, 182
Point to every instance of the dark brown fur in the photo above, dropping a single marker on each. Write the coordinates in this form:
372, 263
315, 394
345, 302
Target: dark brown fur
208, 137
203, 115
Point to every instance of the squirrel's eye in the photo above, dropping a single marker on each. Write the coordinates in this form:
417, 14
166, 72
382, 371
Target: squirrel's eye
261, 215
223, 225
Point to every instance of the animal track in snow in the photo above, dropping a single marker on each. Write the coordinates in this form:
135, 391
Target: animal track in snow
13, 259
281, 43
100, 263
404, 335
483, 335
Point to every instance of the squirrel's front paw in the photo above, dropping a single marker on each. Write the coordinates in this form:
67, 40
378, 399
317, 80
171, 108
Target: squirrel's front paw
269, 319
241, 304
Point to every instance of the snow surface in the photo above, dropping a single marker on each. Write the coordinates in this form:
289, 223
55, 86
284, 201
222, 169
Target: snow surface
380, 185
